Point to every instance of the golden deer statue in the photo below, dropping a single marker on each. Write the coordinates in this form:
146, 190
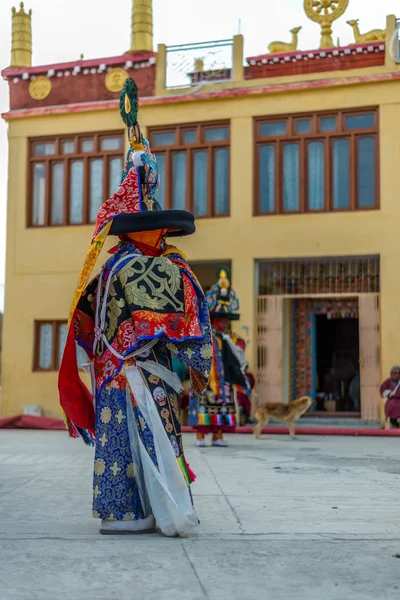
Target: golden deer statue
375, 35
278, 47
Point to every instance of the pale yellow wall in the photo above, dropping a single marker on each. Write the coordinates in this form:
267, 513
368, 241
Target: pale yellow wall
43, 264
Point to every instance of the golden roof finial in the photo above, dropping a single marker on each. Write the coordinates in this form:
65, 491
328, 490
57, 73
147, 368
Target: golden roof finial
325, 12
21, 9
142, 26
21, 37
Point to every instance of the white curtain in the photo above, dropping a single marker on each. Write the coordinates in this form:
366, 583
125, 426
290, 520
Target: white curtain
341, 175
291, 177
179, 182
221, 181
62, 338
46, 346
267, 179
160, 194
57, 193
200, 160
39, 189
316, 177
115, 174
366, 172
76, 193
96, 187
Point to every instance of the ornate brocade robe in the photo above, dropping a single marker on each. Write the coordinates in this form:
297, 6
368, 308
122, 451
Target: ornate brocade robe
131, 319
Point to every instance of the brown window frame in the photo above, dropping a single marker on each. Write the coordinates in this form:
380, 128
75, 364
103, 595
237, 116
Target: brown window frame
190, 148
67, 159
56, 325
291, 136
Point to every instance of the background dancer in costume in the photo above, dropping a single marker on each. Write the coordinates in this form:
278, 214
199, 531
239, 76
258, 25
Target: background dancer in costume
144, 307
182, 371
216, 410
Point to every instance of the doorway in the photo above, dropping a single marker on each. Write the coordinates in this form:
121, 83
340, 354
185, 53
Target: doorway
336, 363
325, 350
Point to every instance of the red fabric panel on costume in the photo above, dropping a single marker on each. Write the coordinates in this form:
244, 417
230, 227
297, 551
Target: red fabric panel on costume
241, 343
113, 249
217, 324
75, 398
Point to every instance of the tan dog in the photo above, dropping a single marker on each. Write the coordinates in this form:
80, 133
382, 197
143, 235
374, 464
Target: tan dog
287, 413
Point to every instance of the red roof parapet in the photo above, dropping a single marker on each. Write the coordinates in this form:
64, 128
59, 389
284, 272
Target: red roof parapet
80, 81
355, 56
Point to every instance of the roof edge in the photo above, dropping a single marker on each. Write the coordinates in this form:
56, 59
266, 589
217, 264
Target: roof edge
83, 64
318, 53
277, 88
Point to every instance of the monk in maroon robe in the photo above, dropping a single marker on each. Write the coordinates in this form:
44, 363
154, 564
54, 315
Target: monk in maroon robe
390, 389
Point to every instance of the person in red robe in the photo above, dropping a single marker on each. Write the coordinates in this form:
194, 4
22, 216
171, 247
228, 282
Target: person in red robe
390, 389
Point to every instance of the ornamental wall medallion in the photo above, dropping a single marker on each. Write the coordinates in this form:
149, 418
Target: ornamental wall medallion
40, 88
115, 79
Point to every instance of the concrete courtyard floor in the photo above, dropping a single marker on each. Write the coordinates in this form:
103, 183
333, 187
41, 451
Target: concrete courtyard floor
313, 519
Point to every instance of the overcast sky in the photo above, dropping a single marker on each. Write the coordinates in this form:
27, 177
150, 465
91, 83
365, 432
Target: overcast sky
63, 30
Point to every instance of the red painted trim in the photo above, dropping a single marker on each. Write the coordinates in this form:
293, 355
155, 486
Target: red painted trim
220, 94
342, 431
61, 109
327, 64
84, 64
28, 422
316, 53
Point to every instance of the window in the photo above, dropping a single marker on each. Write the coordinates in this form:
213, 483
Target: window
49, 343
317, 163
71, 176
193, 161
334, 275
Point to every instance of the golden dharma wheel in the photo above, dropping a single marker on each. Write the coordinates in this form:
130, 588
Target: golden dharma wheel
325, 12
